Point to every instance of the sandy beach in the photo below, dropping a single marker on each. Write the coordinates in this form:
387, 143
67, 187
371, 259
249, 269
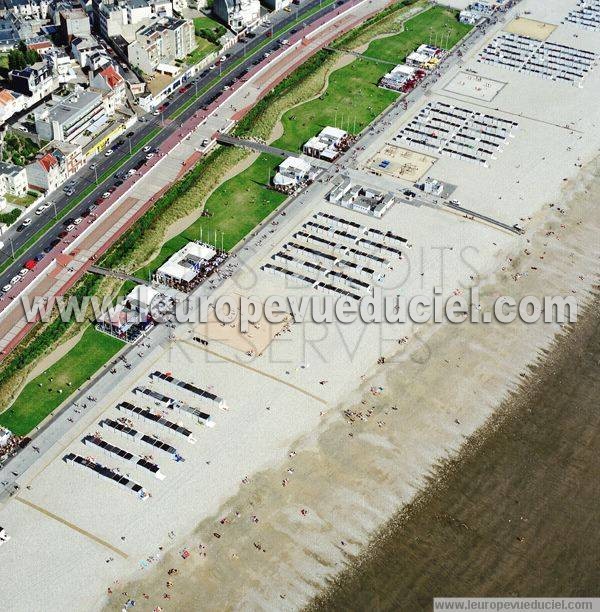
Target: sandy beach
329, 429
353, 473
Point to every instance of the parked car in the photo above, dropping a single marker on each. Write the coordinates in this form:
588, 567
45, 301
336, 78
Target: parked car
105, 195
40, 209
118, 183
156, 112
129, 134
93, 166
15, 279
63, 234
69, 192
70, 228
6, 288
68, 221
26, 222
108, 152
39, 257
77, 221
149, 155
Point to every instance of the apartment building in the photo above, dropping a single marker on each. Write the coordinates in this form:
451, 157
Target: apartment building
70, 118
54, 164
161, 43
13, 179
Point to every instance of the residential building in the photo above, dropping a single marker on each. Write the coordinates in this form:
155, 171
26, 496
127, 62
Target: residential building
74, 23
61, 65
113, 88
37, 9
161, 43
36, 80
54, 164
11, 102
237, 14
123, 18
69, 118
9, 33
13, 179
276, 5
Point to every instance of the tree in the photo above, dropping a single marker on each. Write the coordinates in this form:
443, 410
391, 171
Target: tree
16, 60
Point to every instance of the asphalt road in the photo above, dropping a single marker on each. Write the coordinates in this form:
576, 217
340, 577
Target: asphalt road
13, 240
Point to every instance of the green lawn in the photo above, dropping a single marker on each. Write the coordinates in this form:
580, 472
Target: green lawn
25, 201
41, 396
201, 51
351, 102
236, 207
208, 23
353, 98
438, 26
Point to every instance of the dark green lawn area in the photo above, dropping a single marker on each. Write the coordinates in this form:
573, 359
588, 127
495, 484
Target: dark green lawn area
236, 207
41, 396
204, 47
353, 98
351, 102
438, 26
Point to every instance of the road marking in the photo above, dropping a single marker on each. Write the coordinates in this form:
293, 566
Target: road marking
83, 532
255, 370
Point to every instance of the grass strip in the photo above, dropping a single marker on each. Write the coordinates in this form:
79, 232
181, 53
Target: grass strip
46, 392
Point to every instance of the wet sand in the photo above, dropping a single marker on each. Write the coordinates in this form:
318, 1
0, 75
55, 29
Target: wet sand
346, 479
515, 515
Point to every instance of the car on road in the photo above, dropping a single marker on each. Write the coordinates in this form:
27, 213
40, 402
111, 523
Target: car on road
212, 67
26, 222
163, 106
77, 221
205, 142
108, 153
69, 192
40, 209
93, 166
156, 112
